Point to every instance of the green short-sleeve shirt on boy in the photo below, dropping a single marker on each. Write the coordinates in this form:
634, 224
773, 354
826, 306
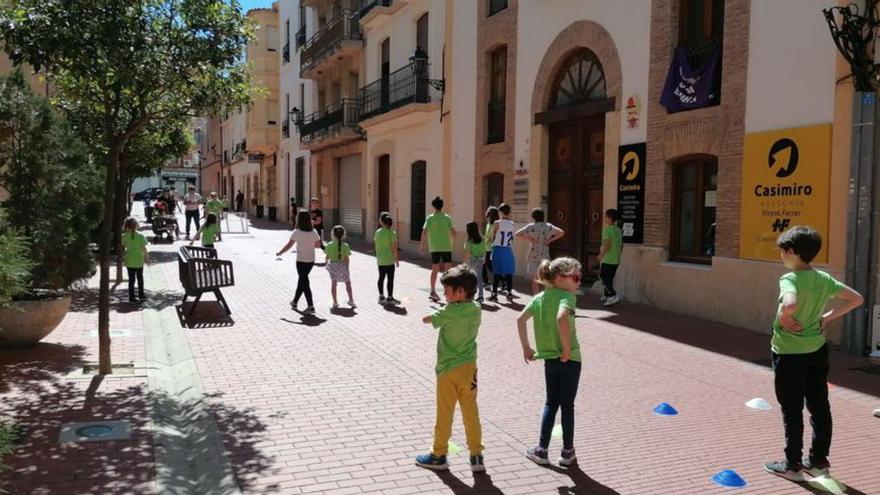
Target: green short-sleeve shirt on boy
384, 240
814, 288
458, 323
134, 244
439, 226
335, 252
214, 206
544, 308
475, 249
612, 233
209, 234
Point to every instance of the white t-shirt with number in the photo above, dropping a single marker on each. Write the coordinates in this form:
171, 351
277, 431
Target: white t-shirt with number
504, 233
192, 201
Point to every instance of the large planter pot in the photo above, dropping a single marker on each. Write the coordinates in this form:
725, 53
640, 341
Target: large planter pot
31, 321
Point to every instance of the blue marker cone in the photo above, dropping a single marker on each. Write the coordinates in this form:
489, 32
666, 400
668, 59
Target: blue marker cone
729, 479
664, 409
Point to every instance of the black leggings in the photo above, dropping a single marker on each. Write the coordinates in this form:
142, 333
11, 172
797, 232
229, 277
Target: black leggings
386, 271
135, 274
487, 268
606, 273
508, 281
302, 282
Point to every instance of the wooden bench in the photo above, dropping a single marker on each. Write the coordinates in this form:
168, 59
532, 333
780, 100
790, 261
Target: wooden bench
200, 272
164, 227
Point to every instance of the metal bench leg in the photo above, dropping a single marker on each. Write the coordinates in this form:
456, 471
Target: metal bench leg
222, 300
195, 303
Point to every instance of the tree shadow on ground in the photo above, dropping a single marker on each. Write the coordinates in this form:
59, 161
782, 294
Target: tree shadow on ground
40, 463
86, 300
25, 368
482, 484
583, 483
208, 314
161, 257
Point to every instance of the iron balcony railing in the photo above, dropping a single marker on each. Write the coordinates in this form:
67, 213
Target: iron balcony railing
343, 27
285, 53
345, 113
285, 128
367, 5
300, 37
397, 89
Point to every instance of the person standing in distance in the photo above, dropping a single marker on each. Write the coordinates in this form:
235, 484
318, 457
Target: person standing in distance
438, 232
191, 202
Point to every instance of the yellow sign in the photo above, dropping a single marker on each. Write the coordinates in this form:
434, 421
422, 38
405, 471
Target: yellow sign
785, 182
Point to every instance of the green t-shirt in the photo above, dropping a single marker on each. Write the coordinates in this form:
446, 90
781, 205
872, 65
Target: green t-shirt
457, 341
475, 249
544, 308
439, 225
334, 252
214, 206
209, 234
612, 233
384, 240
814, 288
134, 244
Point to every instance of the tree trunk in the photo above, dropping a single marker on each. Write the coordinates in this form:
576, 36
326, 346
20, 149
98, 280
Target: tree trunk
106, 238
119, 214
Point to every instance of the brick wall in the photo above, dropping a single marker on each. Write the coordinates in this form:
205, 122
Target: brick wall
716, 131
493, 32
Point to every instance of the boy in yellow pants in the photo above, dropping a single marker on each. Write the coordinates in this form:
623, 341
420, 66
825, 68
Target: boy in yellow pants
458, 323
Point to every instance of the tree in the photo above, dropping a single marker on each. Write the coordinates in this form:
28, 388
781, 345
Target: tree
129, 64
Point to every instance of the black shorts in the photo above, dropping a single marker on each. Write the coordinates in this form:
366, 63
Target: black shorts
438, 257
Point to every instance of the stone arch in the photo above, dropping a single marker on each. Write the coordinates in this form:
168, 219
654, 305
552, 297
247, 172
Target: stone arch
578, 35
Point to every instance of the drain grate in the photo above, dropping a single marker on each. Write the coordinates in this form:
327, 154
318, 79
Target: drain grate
97, 431
871, 370
91, 369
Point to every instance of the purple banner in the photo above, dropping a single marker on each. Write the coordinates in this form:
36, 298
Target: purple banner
687, 88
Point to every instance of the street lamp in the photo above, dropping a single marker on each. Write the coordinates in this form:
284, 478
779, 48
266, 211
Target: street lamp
419, 65
297, 117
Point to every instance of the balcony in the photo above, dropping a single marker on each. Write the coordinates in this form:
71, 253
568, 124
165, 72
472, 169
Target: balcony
340, 37
370, 10
285, 53
300, 37
285, 129
336, 124
397, 90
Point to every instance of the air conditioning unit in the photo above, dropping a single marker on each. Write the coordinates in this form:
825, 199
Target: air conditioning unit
187, 164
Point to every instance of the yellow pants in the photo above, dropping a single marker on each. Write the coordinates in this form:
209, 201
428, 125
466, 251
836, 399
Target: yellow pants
458, 385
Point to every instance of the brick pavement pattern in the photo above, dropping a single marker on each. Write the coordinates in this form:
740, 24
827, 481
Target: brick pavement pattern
341, 402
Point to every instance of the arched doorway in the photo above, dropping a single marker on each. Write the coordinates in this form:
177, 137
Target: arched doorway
575, 118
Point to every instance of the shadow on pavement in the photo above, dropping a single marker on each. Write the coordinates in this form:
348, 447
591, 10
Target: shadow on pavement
809, 489
41, 464
482, 484
583, 484
306, 320
27, 368
160, 257
208, 314
396, 309
343, 312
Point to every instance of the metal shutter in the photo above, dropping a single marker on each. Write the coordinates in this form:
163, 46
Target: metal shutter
350, 195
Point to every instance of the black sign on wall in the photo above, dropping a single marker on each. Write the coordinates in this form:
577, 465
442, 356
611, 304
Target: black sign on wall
631, 192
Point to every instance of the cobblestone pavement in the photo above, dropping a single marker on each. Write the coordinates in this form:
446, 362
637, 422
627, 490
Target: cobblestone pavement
342, 401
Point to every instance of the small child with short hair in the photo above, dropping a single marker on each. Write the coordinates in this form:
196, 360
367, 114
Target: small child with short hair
475, 253
557, 344
135, 255
458, 323
503, 262
385, 243
438, 233
609, 256
540, 235
338, 255
800, 351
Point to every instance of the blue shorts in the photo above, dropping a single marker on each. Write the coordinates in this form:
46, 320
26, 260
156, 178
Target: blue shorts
502, 261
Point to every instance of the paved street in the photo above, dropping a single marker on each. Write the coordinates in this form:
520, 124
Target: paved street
341, 402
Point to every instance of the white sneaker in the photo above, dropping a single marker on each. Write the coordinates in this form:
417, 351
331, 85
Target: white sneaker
611, 301
602, 299
382, 300
309, 311
351, 304
877, 412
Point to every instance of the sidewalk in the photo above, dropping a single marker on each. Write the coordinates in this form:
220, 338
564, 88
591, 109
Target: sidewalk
342, 401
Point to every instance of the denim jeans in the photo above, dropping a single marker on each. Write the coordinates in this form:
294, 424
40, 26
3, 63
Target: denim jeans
192, 216
562, 385
476, 263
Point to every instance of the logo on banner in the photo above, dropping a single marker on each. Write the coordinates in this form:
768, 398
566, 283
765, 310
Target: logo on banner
630, 166
783, 157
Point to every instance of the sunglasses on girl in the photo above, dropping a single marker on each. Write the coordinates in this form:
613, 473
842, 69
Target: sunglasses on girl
574, 276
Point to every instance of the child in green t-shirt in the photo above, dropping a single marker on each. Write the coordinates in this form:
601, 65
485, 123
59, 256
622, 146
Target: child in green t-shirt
475, 254
609, 256
135, 255
385, 243
208, 233
800, 353
338, 254
437, 232
458, 323
557, 344
215, 206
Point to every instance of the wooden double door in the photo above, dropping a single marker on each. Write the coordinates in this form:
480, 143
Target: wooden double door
576, 171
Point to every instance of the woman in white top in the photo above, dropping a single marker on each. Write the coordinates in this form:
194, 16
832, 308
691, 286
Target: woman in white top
503, 263
307, 240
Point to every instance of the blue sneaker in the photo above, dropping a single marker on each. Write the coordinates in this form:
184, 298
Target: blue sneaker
477, 465
430, 461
